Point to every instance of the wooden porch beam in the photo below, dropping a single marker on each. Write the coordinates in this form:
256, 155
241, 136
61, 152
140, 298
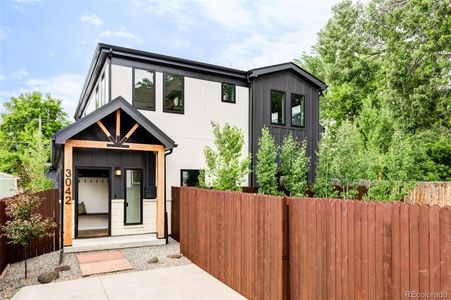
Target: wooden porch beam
129, 133
118, 124
107, 133
106, 145
160, 194
68, 195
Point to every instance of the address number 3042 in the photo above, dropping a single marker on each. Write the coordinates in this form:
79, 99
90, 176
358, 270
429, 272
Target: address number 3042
68, 187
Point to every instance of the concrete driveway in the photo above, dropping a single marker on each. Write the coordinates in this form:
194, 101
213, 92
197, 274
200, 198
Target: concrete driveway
182, 282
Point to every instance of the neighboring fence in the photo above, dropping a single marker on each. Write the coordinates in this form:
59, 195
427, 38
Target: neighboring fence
438, 193
238, 238
338, 249
367, 250
49, 208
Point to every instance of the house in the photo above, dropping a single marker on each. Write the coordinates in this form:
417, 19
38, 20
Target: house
142, 122
8, 185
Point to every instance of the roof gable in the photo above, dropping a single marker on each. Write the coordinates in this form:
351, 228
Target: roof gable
118, 103
288, 67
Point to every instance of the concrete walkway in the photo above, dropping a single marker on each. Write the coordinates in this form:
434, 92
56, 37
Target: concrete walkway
182, 282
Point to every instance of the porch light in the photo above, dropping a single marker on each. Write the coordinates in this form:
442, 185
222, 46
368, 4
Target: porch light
117, 171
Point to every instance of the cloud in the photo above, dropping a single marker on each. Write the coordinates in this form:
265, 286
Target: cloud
2, 77
65, 86
4, 32
122, 34
92, 19
20, 74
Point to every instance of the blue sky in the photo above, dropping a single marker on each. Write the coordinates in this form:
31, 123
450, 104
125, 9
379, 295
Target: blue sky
48, 45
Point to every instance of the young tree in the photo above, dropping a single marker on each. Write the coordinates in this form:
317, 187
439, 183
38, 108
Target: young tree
226, 168
294, 165
266, 168
25, 224
323, 181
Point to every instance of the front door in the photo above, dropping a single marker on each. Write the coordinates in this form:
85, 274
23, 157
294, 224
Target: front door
133, 196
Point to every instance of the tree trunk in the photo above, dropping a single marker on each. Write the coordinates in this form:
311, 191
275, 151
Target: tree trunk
25, 260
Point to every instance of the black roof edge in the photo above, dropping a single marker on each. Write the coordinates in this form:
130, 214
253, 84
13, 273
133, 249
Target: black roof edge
118, 103
105, 49
288, 66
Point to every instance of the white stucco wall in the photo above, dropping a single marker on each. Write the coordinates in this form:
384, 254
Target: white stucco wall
192, 130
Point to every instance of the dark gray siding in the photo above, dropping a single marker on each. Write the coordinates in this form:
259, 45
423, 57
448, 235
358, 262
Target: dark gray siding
289, 83
99, 158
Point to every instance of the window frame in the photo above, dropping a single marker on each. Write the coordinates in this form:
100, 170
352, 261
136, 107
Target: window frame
291, 111
181, 176
222, 92
283, 107
141, 195
182, 112
154, 89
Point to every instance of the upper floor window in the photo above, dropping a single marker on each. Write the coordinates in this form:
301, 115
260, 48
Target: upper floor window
228, 92
96, 98
144, 89
173, 93
277, 107
297, 110
189, 177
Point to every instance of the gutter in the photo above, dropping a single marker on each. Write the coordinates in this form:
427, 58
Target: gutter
166, 234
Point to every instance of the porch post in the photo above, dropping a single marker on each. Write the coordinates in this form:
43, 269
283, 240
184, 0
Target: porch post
160, 193
67, 199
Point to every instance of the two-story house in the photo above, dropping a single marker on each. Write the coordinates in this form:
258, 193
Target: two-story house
143, 121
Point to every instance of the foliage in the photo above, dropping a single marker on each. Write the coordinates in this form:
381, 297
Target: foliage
19, 125
294, 165
323, 181
226, 169
266, 168
388, 70
24, 224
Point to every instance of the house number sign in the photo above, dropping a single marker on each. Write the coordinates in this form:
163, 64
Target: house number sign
68, 187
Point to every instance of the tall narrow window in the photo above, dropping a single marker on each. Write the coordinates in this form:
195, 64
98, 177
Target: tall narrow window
173, 94
277, 107
96, 97
228, 92
297, 110
143, 89
133, 196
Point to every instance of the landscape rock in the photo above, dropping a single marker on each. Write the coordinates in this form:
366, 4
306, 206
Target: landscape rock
48, 277
61, 268
153, 260
177, 256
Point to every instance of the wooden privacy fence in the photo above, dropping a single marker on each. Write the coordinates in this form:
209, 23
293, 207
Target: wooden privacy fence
238, 238
49, 208
432, 193
336, 249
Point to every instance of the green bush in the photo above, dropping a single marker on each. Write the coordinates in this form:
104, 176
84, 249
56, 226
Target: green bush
266, 168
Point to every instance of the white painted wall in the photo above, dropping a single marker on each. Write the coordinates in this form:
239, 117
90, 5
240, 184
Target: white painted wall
149, 224
192, 130
93, 192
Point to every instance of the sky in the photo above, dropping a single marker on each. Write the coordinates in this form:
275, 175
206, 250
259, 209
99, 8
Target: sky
48, 45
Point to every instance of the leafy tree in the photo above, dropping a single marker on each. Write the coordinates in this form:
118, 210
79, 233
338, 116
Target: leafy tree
294, 165
226, 169
323, 181
25, 224
266, 168
21, 121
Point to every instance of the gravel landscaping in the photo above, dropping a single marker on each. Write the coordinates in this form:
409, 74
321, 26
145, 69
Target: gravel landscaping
138, 257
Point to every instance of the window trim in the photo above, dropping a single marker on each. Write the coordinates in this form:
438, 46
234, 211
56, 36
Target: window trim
291, 111
182, 112
283, 107
181, 174
125, 196
222, 92
154, 89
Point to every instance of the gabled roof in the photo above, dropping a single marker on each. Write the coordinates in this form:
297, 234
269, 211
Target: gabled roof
287, 67
118, 103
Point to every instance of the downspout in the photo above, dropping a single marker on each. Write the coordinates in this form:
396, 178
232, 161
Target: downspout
110, 55
251, 127
166, 234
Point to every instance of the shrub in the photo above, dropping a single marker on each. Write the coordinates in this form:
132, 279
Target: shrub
294, 165
266, 167
226, 169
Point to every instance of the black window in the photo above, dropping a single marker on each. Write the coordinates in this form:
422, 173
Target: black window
144, 89
173, 94
277, 107
297, 110
228, 92
189, 177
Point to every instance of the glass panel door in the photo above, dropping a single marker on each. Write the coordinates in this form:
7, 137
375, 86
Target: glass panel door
133, 196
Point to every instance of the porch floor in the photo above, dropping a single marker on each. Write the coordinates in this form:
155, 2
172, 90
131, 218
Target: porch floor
114, 242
